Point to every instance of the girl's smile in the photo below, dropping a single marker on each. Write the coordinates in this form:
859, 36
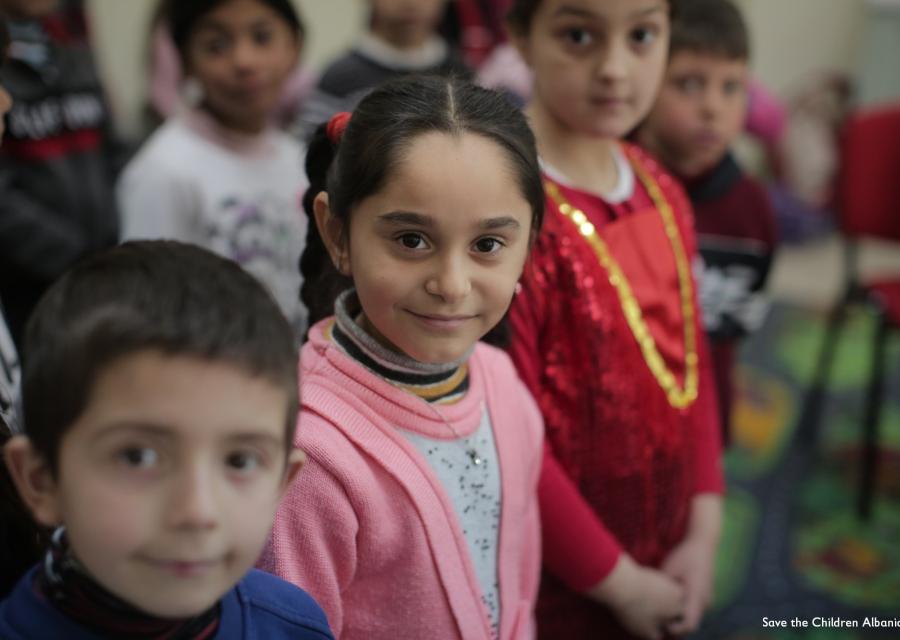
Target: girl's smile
443, 322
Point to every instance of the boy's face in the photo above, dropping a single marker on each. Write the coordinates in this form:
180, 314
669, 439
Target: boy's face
597, 63
169, 480
25, 9
701, 109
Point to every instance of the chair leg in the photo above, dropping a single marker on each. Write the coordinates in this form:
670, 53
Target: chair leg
811, 413
869, 461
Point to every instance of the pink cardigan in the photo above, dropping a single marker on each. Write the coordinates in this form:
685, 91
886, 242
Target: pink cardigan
367, 528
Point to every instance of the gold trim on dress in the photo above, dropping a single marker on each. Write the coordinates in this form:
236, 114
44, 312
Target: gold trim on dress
680, 397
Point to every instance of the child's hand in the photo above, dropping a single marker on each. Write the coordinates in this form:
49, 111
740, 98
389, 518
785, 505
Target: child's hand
644, 600
690, 564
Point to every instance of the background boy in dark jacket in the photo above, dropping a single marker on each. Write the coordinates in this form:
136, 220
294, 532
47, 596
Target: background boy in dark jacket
58, 161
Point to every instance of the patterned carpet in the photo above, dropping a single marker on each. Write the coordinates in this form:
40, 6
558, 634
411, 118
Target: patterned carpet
793, 549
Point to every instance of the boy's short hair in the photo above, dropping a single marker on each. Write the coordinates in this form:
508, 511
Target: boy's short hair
713, 27
174, 298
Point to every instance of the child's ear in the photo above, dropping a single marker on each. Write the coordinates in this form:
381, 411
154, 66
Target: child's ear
295, 462
331, 229
33, 479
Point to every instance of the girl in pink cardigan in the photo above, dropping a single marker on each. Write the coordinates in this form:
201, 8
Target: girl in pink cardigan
416, 516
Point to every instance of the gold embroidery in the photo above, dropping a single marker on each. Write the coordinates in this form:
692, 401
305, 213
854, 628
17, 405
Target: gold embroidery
679, 397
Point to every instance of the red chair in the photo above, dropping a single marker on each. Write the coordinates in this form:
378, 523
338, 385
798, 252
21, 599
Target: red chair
868, 193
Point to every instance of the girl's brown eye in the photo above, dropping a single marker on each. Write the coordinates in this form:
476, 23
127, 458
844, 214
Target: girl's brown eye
215, 46
488, 245
138, 457
412, 241
579, 37
243, 461
643, 36
262, 37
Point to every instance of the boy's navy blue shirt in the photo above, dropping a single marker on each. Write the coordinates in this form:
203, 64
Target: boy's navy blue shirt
260, 607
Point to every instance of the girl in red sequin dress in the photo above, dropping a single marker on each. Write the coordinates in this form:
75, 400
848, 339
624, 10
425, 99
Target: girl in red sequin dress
608, 336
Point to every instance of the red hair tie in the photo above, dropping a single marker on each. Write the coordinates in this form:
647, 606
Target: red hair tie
336, 126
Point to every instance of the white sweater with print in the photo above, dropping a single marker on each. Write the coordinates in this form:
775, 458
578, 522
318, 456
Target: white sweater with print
237, 195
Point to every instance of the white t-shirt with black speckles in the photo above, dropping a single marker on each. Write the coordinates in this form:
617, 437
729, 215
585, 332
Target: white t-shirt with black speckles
474, 490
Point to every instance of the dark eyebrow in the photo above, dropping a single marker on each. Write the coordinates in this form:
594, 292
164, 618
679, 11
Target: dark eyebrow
400, 218
214, 25
161, 431
262, 23
148, 428
503, 222
257, 439
643, 13
566, 10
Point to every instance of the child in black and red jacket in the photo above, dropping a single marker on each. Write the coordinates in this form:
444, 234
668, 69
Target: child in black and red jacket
58, 160
701, 109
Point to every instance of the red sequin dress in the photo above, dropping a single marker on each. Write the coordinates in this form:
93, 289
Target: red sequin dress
621, 462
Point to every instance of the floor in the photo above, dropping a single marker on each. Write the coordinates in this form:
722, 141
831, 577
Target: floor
793, 548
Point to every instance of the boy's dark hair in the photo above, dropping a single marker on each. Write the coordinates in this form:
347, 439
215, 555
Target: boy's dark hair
386, 122
183, 16
714, 27
174, 298
521, 13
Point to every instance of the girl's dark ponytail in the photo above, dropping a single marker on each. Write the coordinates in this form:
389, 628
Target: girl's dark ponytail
322, 282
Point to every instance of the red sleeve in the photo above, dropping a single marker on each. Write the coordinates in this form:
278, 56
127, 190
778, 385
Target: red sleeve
577, 548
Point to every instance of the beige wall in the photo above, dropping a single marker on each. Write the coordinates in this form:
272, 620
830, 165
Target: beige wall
120, 33
793, 39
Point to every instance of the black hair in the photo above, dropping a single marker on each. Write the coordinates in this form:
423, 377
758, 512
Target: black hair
521, 13
183, 16
386, 122
710, 27
174, 298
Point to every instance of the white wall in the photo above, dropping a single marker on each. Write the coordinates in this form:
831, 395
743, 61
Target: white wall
120, 34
